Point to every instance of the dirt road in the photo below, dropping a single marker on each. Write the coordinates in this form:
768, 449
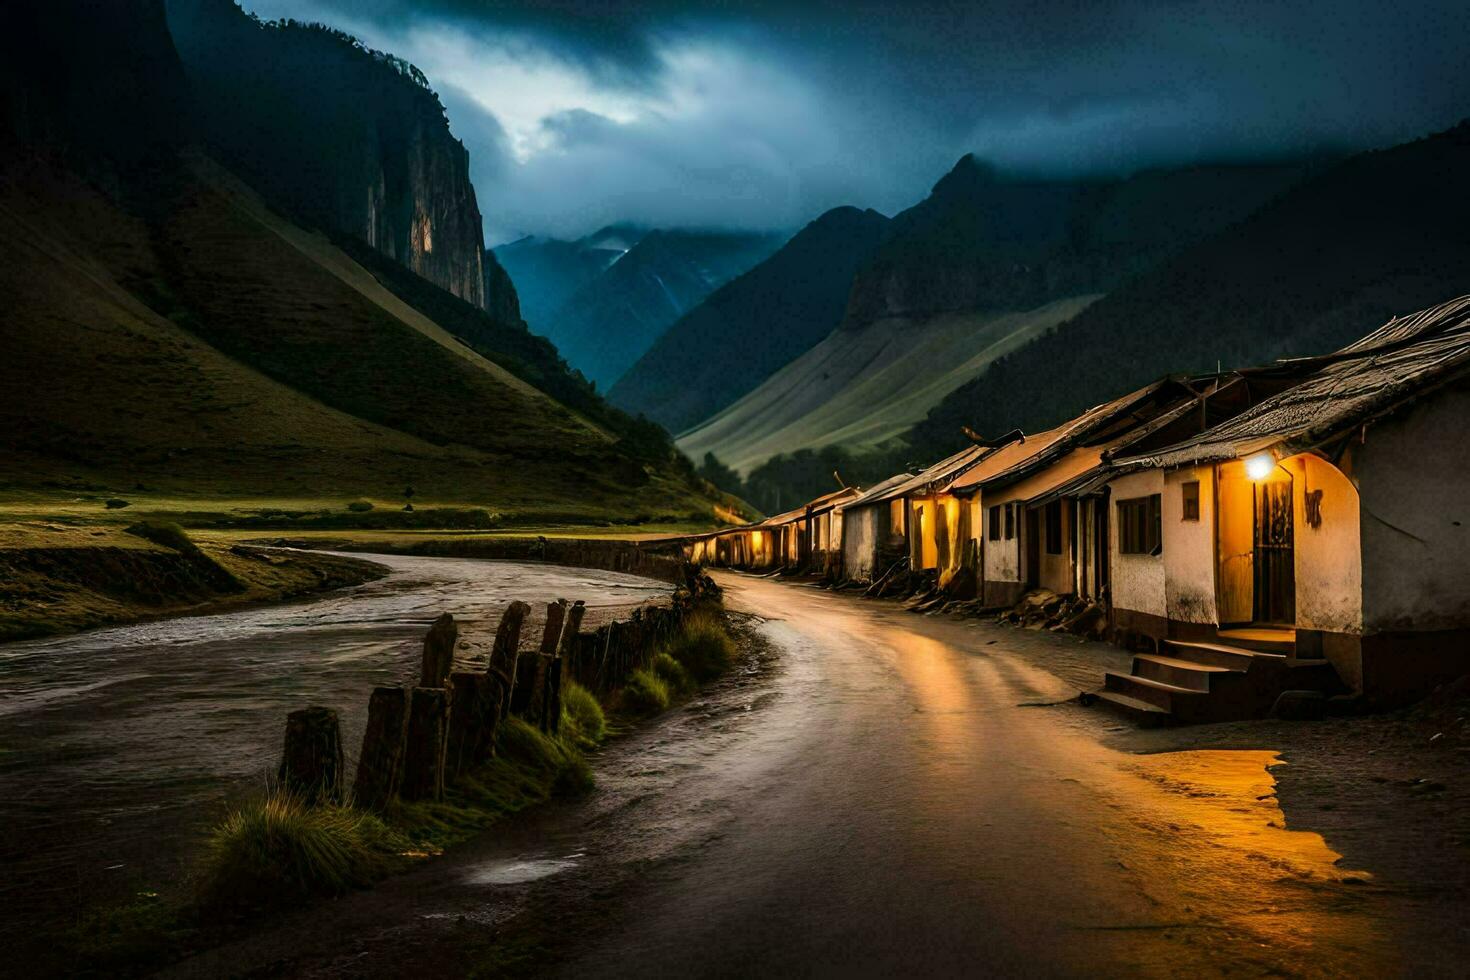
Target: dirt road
885, 794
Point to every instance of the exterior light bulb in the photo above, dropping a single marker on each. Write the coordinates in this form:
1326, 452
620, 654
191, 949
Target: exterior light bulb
1259, 466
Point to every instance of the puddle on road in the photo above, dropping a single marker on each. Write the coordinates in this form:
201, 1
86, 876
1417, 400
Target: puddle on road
520, 871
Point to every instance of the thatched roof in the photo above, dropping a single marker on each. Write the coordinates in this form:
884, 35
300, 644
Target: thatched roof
1338, 392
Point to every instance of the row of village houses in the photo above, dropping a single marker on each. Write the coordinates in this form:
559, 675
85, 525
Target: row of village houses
1329, 496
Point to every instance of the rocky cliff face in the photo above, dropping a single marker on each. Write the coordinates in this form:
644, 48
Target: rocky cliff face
349, 139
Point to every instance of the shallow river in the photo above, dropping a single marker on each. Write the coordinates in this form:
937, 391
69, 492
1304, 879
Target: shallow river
118, 745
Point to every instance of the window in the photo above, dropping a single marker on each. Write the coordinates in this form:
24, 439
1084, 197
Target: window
1191, 500
995, 523
1010, 521
1054, 528
1139, 526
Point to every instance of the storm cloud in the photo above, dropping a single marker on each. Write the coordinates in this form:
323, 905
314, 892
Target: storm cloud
757, 115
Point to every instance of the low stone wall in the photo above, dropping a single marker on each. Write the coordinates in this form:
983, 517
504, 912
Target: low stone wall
661, 560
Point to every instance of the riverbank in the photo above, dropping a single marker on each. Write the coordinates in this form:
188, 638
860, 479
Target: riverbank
256, 873
57, 579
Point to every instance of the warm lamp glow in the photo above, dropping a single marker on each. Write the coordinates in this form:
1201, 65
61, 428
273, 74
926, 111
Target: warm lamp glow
1259, 467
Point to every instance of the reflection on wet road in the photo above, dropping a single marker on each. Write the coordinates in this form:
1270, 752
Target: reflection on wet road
114, 742
882, 801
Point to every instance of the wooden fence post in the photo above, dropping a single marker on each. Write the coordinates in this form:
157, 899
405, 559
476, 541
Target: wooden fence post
423, 757
526, 700
557, 667
311, 760
506, 651
380, 764
473, 714
439, 651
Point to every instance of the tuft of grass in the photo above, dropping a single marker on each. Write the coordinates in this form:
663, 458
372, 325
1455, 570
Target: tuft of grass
360, 506
582, 718
125, 939
529, 767
645, 693
277, 849
704, 646
671, 672
117, 503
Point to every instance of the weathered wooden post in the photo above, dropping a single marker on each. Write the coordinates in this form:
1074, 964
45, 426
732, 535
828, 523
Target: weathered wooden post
439, 651
507, 648
423, 756
557, 666
311, 760
380, 764
531, 674
473, 714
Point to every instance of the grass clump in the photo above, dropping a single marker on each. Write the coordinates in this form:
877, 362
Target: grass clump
703, 647
279, 849
529, 767
360, 506
671, 672
645, 693
582, 718
117, 503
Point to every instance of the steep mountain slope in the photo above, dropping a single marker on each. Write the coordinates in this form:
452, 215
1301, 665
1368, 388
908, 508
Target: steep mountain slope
165, 326
608, 324
986, 241
1377, 235
863, 388
351, 140
547, 271
753, 325
983, 265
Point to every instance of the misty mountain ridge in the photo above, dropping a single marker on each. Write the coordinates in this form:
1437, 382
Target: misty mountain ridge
749, 328
547, 271
614, 316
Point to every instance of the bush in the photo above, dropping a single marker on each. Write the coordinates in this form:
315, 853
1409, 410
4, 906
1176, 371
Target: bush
117, 503
581, 715
645, 693
165, 534
671, 672
279, 848
703, 647
360, 506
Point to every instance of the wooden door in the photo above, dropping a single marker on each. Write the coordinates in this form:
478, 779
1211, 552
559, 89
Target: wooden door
1275, 560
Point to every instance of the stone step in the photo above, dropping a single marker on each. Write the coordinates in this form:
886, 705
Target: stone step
1181, 673
1139, 712
1221, 654
1159, 693
1266, 639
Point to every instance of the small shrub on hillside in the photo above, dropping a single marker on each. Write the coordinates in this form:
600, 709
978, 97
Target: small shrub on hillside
166, 534
117, 503
360, 506
703, 647
582, 718
671, 672
645, 693
279, 849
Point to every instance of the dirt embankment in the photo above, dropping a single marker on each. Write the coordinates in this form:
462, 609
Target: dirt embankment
59, 579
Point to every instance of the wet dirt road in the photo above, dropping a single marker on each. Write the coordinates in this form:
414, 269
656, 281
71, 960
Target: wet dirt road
886, 795
118, 747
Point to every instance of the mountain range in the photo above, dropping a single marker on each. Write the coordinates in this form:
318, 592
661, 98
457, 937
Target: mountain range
605, 299
982, 267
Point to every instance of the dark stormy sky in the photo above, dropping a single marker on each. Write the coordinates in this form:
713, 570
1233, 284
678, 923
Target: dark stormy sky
761, 115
